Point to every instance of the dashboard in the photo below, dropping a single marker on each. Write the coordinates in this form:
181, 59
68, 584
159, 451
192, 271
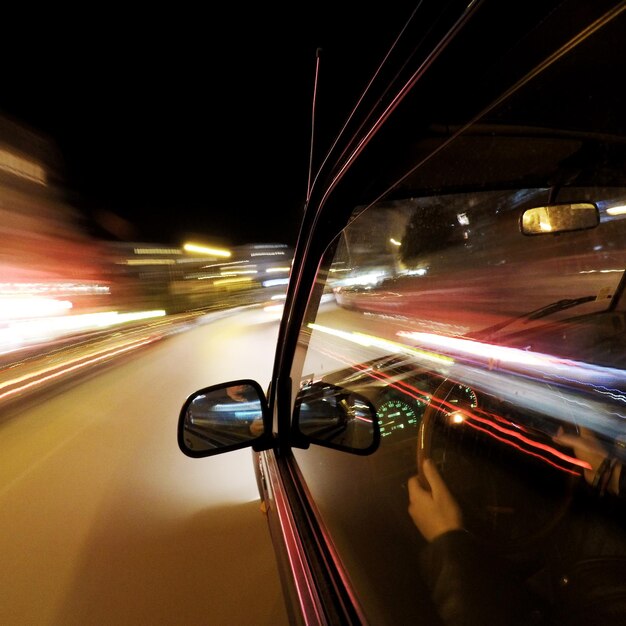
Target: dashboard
401, 407
500, 461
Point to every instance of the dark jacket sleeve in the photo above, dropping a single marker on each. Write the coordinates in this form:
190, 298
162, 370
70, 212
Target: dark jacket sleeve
471, 587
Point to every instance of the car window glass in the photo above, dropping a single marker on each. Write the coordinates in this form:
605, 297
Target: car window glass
499, 356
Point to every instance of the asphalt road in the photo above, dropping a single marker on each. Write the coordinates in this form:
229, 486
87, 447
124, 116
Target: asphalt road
104, 521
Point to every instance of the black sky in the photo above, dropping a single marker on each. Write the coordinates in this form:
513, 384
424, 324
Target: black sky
192, 123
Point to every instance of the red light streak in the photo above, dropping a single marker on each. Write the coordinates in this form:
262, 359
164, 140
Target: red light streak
524, 450
469, 417
536, 444
441, 404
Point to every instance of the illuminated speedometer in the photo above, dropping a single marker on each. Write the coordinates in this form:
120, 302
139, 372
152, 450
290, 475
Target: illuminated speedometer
396, 416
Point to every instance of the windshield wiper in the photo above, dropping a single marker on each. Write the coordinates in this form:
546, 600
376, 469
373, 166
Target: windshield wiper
549, 309
559, 305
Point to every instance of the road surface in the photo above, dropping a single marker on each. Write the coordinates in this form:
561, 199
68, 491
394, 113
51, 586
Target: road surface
104, 521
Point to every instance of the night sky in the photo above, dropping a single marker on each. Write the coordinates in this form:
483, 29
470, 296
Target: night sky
182, 123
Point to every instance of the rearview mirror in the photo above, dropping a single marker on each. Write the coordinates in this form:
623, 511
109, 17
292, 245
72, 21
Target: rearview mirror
224, 417
559, 218
328, 415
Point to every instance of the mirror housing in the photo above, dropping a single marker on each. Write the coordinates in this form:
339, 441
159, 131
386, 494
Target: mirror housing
330, 416
559, 218
224, 417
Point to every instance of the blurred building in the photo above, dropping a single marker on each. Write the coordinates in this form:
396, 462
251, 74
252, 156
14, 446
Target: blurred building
46, 253
193, 277
58, 280
51, 264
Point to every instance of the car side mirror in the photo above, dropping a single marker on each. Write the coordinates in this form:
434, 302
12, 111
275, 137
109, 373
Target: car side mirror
559, 218
224, 417
328, 415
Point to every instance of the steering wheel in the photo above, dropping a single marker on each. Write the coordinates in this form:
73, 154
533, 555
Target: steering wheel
510, 493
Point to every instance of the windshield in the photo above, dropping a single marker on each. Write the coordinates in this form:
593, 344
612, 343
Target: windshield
405, 259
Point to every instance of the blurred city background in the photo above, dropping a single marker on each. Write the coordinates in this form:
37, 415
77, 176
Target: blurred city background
103, 520
62, 275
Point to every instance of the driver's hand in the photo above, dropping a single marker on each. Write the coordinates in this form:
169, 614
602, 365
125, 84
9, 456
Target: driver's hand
586, 447
436, 511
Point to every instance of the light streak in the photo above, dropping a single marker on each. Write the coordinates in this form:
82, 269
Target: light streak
18, 333
616, 210
409, 390
35, 379
524, 450
395, 347
572, 372
192, 247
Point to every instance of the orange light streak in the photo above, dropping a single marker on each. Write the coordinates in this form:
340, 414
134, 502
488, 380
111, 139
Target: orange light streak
80, 363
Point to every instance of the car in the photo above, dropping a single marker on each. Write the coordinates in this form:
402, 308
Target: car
444, 433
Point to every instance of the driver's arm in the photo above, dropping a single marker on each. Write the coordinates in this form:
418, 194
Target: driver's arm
468, 586
434, 512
